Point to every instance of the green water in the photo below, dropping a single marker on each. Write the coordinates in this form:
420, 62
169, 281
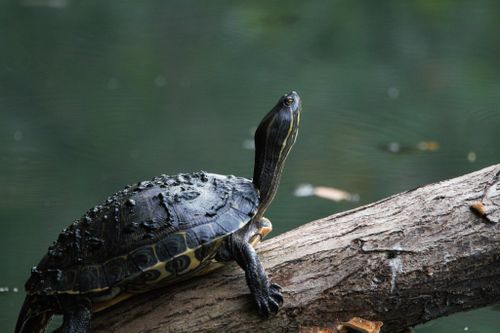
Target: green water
95, 95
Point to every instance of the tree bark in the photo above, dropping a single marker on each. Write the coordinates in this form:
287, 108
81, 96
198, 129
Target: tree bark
403, 260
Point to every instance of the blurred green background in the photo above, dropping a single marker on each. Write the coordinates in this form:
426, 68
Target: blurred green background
98, 94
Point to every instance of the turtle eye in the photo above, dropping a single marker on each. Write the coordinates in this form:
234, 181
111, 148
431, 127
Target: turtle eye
288, 101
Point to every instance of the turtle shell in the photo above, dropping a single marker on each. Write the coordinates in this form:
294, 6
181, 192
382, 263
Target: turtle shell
147, 234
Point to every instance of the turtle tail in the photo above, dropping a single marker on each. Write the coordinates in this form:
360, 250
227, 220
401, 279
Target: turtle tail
35, 314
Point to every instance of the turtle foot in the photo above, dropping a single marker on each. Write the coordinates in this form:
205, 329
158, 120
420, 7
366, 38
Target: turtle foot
269, 302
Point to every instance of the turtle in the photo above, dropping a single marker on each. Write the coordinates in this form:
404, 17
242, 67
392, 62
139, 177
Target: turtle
161, 231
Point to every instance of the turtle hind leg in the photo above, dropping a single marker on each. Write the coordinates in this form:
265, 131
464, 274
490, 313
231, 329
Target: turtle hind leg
267, 296
76, 314
35, 315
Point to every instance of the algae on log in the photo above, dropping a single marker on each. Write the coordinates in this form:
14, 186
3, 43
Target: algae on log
403, 260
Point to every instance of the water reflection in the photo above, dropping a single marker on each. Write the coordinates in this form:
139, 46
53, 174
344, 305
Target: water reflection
97, 95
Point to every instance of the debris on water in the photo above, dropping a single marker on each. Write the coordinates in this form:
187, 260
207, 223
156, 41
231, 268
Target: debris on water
160, 81
330, 193
304, 190
249, 144
428, 146
7, 289
471, 157
393, 92
18, 135
466, 328
393, 147
399, 148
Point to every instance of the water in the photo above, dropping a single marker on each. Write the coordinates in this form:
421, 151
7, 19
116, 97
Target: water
97, 95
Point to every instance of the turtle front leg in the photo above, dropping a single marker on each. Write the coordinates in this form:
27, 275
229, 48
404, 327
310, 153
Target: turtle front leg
76, 315
267, 295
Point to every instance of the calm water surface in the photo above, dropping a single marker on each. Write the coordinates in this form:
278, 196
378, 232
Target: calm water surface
95, 95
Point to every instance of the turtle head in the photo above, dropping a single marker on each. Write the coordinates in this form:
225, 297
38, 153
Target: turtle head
274, 138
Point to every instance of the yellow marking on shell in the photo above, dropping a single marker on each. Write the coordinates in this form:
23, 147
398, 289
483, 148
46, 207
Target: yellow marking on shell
212, 264
160, 267
193, 262
154, 252
165, 278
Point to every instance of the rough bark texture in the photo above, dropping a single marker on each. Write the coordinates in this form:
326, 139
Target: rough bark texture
403, 260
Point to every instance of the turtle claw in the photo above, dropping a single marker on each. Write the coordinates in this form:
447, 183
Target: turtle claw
275, 286
270, 301
273, 306
275, 291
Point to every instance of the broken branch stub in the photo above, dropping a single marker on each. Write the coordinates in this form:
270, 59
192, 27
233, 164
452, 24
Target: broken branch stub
403, 260
489, 205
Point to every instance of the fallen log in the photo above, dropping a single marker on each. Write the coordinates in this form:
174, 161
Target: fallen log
404, 260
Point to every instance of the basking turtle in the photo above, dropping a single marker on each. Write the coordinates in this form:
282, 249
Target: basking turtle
160, 231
